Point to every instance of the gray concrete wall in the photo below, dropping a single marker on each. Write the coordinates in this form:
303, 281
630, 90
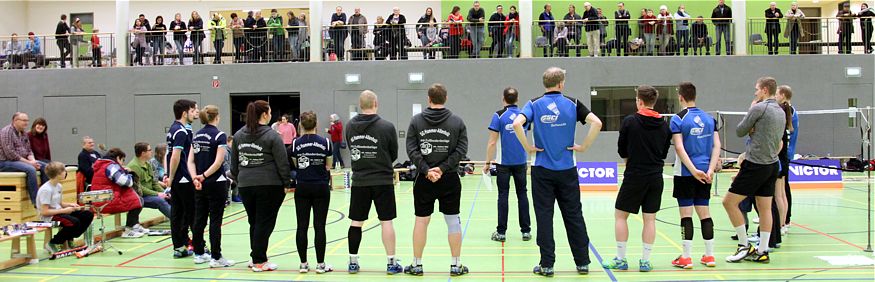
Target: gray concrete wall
120, 106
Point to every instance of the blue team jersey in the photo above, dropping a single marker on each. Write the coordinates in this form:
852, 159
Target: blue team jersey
311, 151
791, 149
510, 151
552, 118
205, 145
697, 130
179, 137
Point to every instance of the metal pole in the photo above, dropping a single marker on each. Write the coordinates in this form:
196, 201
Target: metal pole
868, 180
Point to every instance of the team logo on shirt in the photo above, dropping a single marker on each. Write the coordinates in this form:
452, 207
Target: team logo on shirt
303, 162
195, 148
697, 131
244, 161
355, 154
551, 118
426, 148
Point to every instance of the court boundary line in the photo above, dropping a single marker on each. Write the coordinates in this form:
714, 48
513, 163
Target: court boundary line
829, 236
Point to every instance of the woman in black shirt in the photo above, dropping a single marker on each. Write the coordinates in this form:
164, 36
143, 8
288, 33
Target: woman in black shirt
196, 25
158, 39
179, 37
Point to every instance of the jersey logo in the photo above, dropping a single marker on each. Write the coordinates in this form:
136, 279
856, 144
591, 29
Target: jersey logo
244, 161
303, 162
697, 131
551, 118
425, 148
195, 148
355, 154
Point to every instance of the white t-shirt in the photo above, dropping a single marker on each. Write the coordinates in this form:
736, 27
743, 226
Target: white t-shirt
48, 194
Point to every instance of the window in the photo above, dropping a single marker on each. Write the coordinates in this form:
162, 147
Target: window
613, 103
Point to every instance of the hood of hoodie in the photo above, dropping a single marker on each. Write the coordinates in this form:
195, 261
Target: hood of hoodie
253, 136
649, 119
361, 122
436, 116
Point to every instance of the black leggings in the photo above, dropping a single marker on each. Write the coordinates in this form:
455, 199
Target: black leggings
209, 202
315, 197
262, 204
72, 225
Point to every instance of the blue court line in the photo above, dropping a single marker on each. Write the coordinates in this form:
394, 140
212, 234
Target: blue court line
599, 258
470, 213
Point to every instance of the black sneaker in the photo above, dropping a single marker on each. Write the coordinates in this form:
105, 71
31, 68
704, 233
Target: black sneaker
498, 237
527, 236
458, 270
583, 269
758, 257
413, 270
543, 271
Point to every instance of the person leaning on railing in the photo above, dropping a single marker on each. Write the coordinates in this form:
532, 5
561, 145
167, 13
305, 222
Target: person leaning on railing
665, 29
178, 27
682, 33
293, 31
794, 27
476, 18
357, 33
157, 35
278, 33
511, 30
547, 26
196, 26
338, 31
399, 39
138, 42
773, 27
218, 35
846, 28
456, 32
866, 14
496, 27
649, 29
381, 39
575, 27
236, 26
621, 28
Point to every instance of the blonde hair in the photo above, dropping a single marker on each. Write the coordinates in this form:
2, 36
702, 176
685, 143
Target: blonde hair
553, 76
209, 114
54, 169
367, 100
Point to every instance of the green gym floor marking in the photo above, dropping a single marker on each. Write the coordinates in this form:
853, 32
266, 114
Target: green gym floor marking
826, 223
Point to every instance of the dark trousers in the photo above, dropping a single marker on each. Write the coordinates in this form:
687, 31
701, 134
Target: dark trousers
455, 46
358, 42
789, 198
794, 41
279, 48
238, 42
181, 213
336, 155
315, 197
548, 50
576, 39
138, 55
209, 203
775, 238
72, 225
845, 42
64, 48
498, 45
133, 217
622, 42
697, 47
262, 204
550, 187
338, 37
683, 41
518, 173
196, 49
96, 57
772, 42
867, 38
218, 45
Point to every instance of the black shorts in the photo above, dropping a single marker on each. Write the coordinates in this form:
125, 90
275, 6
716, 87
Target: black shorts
447, 192
383, 197
688, 187
785, 166
755, 180
640, 192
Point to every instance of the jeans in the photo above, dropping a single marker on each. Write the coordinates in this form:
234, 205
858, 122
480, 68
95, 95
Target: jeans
196, 48
550, 187
593, 43
293, 45
509, 44
425, 54
218, 45
518, 173
30, 172
650, 42
723, 33
794, 41
209, 203
497, 42
238, 56
180, 49
279, 48
664, 39
312, 197
772, 42
477, 37
155, 202
181, 213
335, 153
683, 41
262, 204
157, 49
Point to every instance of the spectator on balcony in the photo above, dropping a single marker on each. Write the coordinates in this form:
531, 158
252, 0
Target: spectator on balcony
621, 28
649, 32
153, 193
196, 26
455, 33
591, 25
62, 38
381, 39
33, 50
476, 18
682, 34
96, 59
426, 31
86, 159
16, 155
14, 50
722, 19
293, 31
158, 41
39, 141
641, 23
179, 37
217, 36
511, 30
496, 31
236, 25
665, 29
278, 33
357, 32
561, 39
846, 28
338, 31
138, 41
603, 32
700, 37
773, 27
399, 39
76, 39
794, 27
575, 27
303, 38
250, 24
866, 14
547, 25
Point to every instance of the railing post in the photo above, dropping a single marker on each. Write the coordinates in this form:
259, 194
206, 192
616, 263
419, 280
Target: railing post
122, 8
526, 28
315, 26
739, 31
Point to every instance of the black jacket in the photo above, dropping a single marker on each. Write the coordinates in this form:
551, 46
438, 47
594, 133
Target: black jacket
62, 28
593, 16
725, 14
436, 138
475, 16
622, 26
496, 25
373, 147
699, 30
178, 35
773, 25
574, 28
197, 28
249, 23
260, 158
86, 162
866, 19
644, 142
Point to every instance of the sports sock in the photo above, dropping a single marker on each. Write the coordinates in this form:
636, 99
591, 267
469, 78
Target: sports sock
390, 260
709, 247
621, 250
417, 261
645, 253
353, 258
741, 231
688, 248
764, 242
456, 261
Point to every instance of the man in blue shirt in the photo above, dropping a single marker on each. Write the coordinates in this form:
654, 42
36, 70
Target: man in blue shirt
510, 162
179, 140
697, 145
554, 172
546, 24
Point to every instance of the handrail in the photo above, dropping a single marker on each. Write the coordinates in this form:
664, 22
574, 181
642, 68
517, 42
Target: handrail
817, 18
25, 36
634, 20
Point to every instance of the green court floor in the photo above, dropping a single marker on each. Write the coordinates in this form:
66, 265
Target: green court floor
827, 223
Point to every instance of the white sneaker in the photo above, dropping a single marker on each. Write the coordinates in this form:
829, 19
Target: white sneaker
267, 266
204, 258
139, 228
741, 253
304, 268
323, 268
221, 262
785, 229
131, 233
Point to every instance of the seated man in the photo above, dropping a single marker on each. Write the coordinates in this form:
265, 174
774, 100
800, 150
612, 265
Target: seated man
33, 51
73, 218
87, 157
153, 194
13, 52
16, 156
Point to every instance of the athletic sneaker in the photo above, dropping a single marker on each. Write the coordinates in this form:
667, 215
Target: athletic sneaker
741, 253
543, 271
203, 258
304, 268
458, 270
131, 233
54, 248
414, 270
353, 268
182, 252
527, 236
221, 262
498, 237
753, 238
682, 262
140, 228
785, 230
323, 268
644, 265
616, 264
756, 220
758, 257
391, 269
266, 266
583, 269
709, 261
236, 199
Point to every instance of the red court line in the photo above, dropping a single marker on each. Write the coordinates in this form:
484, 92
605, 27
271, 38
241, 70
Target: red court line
830, 236
502, 261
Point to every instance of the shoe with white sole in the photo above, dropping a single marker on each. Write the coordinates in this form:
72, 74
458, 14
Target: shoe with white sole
304, 268
141, 229
221, 262
202, 258
323, 268
260, 267
131, 233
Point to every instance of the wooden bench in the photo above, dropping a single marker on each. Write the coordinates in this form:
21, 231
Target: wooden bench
17, 258
15, 204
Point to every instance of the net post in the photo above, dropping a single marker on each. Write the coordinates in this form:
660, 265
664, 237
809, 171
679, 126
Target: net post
867, 140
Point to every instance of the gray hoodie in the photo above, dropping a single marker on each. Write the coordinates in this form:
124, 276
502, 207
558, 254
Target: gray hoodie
437, 138
259, 159
768, 121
